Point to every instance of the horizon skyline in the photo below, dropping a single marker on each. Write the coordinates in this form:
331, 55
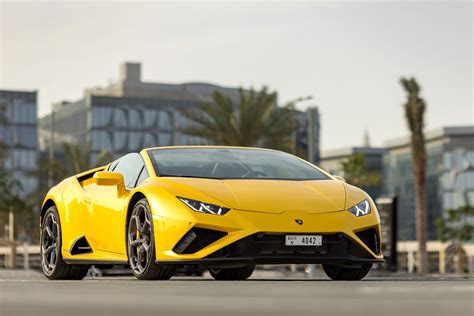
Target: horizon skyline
319, 49
327, 150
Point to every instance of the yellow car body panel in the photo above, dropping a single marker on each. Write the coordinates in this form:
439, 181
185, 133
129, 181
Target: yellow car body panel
271, 207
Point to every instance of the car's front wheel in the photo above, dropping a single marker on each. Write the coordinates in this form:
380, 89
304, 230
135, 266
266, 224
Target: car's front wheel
141, 245
242, 273
52, 263
339, 273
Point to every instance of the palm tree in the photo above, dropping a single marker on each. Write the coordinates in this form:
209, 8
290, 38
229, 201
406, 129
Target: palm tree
78, 158
255, 121
414, 112
356, 172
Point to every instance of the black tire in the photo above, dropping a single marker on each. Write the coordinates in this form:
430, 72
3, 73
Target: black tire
242, 273
52, 263
140, 237
339, 273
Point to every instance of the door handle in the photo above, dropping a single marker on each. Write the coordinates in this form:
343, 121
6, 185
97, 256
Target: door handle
87, 200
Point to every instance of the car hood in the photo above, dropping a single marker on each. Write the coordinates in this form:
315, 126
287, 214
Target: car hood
271, 196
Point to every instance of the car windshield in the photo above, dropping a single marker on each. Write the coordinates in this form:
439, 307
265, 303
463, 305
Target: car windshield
231, 163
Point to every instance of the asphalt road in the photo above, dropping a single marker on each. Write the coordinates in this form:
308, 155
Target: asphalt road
34, 295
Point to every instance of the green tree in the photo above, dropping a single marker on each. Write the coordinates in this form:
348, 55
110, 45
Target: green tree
255, 121
456, 227
42, 173
10, 200
414, 112
356, 172
78, 158
10, 189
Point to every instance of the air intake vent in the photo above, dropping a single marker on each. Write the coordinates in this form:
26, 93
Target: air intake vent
196, 239
370, 239
80, 246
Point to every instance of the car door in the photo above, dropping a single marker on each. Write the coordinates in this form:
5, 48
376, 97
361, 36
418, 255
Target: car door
108, 205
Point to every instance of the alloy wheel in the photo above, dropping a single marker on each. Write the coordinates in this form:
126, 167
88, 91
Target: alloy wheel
139, 239
49, 243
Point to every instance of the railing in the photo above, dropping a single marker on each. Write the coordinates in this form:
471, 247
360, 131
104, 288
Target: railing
26, 256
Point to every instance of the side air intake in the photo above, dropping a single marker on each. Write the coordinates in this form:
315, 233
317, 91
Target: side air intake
370, 239
196, 239
80, 246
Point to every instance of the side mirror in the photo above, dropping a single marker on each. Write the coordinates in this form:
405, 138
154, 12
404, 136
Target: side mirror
109, 178
339, 178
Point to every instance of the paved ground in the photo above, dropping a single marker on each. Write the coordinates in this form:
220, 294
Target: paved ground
30, 294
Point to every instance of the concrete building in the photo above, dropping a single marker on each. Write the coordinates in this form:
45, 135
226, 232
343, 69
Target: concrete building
331, 161
449, 178
131, 114
18, 132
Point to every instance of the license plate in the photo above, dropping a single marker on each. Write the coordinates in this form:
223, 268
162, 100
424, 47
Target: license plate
303, 240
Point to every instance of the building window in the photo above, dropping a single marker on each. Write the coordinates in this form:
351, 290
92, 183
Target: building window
24, 159
101, 140
134, 141
25, 136
101, 116
120, 140
181, 121
149, 140
164, 139
120, 118
149, 118
164, 121
135, 120
6, 135
24, 113
470, 157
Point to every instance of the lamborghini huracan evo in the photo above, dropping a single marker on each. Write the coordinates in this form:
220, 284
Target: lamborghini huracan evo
222, 208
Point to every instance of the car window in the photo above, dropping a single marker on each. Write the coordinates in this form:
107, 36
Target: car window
130, 167
232, 163
113, 165
142, 177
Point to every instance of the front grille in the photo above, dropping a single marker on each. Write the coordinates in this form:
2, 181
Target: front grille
273, 246
370, 238
196, 239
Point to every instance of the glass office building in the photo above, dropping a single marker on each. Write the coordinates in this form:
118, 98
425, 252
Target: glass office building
130, 115
18, 133
449, 176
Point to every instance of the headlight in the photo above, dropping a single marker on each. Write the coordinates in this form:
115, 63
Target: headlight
202, 207
360, 209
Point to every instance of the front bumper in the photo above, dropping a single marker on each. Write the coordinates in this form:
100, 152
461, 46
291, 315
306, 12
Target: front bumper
258, 238
263, 248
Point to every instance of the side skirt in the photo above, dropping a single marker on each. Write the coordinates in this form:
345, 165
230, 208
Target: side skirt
95, 262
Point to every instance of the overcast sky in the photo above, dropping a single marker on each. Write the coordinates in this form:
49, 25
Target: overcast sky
348, 55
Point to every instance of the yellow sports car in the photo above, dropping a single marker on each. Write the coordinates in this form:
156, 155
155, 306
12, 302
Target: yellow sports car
222, 208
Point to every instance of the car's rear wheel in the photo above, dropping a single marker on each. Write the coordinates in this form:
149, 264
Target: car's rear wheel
52, 263
336, 272
242, 273
141, 245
